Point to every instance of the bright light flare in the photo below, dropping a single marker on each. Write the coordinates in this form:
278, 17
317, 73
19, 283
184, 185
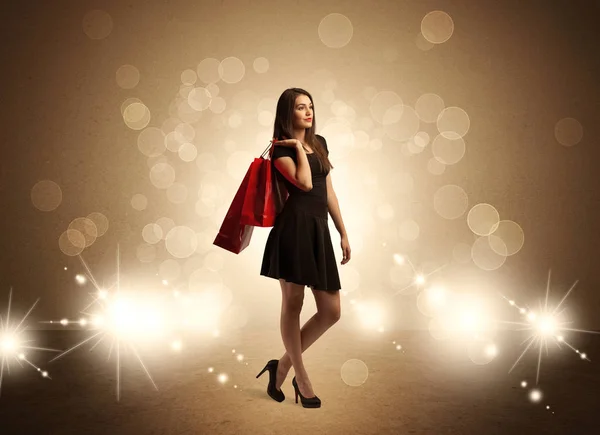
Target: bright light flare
201, 311
176, 345
535, 395
419, 278
433, 300
470, 320
122, 318
125, 321
436, 295
482, 351
14, 344
8, 344
468, 316
545, 325
491, 350
132, 319
371, 314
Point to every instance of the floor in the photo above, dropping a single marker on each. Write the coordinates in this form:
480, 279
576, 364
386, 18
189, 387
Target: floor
423, 386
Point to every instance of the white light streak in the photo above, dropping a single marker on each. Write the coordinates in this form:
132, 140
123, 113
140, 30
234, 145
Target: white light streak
13, 343
545, 325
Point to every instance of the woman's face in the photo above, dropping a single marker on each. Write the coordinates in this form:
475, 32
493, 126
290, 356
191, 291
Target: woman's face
303, 112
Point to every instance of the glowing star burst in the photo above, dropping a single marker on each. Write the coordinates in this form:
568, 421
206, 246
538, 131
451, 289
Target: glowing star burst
419, 279
13, 343
545, 324
122, 320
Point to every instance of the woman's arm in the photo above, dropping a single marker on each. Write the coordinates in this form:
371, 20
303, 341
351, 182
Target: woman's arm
303, 172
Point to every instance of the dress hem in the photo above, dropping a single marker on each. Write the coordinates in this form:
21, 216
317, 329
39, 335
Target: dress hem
314, 287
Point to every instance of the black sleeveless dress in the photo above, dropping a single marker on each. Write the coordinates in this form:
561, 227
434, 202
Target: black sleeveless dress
299, 247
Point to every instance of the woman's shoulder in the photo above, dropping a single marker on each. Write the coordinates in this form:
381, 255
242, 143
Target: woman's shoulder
283, 151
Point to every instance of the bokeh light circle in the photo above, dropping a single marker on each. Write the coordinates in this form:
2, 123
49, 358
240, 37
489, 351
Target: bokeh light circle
231, 70
189, 77
482, 352
97, 24
101, 222
354, 372
483, 219
261, 65
146, 253
568, 132
46, 195
450, 201
86, 227
453, 123
437, 329
409, 230
127, 76
139, 202
484, 256
181, 242
152, 233
437, 27
433, 300
435, 167
162, 175
151, 142
208, 70
422, 43
335, 30
400, 122
382, 102
169, 269
199, 99
448, 151
429, 106
177, 193
71, 242
508, 238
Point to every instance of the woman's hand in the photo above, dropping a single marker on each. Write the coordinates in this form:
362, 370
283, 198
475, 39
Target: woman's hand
291, 143
345, 249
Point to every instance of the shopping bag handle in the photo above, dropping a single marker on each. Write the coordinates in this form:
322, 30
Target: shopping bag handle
263, 153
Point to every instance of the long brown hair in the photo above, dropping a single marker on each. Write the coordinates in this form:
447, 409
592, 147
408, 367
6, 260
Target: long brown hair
284, 125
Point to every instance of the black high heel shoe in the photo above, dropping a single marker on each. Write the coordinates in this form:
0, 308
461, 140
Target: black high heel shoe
311, 402
273, 392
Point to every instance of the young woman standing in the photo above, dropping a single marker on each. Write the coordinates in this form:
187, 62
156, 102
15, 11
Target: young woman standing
298, 251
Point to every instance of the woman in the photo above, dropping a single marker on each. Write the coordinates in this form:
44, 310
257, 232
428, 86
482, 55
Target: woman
298, 251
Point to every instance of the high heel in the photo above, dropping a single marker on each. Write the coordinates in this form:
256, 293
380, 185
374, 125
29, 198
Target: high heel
273, 392
310, 402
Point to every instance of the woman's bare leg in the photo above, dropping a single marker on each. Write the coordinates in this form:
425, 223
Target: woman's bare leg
291, 306
328, 313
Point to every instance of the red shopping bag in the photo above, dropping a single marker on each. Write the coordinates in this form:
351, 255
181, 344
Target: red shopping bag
233, 235
265, 195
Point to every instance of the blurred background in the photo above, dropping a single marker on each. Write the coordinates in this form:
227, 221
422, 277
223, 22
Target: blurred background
464, 139
463, 136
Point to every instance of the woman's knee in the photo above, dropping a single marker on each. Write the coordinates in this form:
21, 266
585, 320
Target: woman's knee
336, 314
292, 295
333, 313
328, 305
